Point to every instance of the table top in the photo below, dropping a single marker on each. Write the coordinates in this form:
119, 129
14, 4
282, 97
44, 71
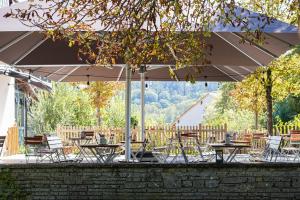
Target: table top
100, 145
241, 141
189, 135
232, 145
79, 138
134, 142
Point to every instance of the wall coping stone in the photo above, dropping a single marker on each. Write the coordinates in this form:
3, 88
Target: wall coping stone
148, 165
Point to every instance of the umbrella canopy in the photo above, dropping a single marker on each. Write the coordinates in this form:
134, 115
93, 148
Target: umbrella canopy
27, 48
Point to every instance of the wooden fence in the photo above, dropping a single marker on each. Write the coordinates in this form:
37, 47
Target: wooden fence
160, 135
12, 141
157, 135
281, 129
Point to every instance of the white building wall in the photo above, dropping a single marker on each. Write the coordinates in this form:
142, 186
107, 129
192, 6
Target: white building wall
7, 103
194, 116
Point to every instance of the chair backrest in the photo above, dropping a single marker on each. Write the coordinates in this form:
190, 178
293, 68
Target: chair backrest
54, 142
294, 131
295, 137
35, 140
89, 133
2, 140
274, 142
258, 136
247, 137
111, 139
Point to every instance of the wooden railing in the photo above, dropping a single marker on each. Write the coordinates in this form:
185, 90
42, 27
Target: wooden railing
12, 141
157, 135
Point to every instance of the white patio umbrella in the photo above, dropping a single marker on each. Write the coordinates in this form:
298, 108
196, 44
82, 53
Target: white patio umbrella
26, 48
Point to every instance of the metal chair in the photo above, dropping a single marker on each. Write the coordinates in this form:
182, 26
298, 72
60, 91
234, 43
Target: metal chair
2, 140
170, 150
271, 150
35, 148
294, 146
56, 150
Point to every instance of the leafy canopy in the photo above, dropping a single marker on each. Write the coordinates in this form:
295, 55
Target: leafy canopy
65, 105
101, 92
137, 32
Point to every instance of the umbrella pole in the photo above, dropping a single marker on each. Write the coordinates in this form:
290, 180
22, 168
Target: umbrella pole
143, 106
128, 113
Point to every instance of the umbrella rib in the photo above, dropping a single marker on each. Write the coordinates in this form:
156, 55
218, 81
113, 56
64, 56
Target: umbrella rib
120, 74
68, 74
68, 65
281, 40
258, 63
257, 46
53, 73
15, 41
153, 67
234, 71
245, 68
29, 51
225, 72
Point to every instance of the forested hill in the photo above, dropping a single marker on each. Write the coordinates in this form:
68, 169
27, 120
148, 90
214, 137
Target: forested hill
166, 100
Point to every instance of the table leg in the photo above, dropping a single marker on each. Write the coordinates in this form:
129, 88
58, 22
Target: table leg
232, 154
100, 154
95, 153
182, 148
110, 156
199, 149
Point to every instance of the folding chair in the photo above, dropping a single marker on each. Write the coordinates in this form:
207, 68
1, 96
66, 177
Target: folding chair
162, 153
2, 140
34, 148
271, 150
294, 145
57, 153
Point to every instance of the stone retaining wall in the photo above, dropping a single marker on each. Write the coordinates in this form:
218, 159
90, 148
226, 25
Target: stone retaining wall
158, 181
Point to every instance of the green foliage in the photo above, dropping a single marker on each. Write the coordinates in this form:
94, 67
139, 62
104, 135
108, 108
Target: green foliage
226, 101
287, 109
284, 10
66, 105
151, 96
238, 100
134, 122
171, 99
236, 120
228, 110
9, 189
114, 113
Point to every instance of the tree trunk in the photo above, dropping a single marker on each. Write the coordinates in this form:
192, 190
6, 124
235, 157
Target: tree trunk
99, 121
298, 13
98, 117
269, 102
256, 110
256, 120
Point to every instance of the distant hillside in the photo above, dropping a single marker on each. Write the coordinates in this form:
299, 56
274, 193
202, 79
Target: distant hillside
166, 100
